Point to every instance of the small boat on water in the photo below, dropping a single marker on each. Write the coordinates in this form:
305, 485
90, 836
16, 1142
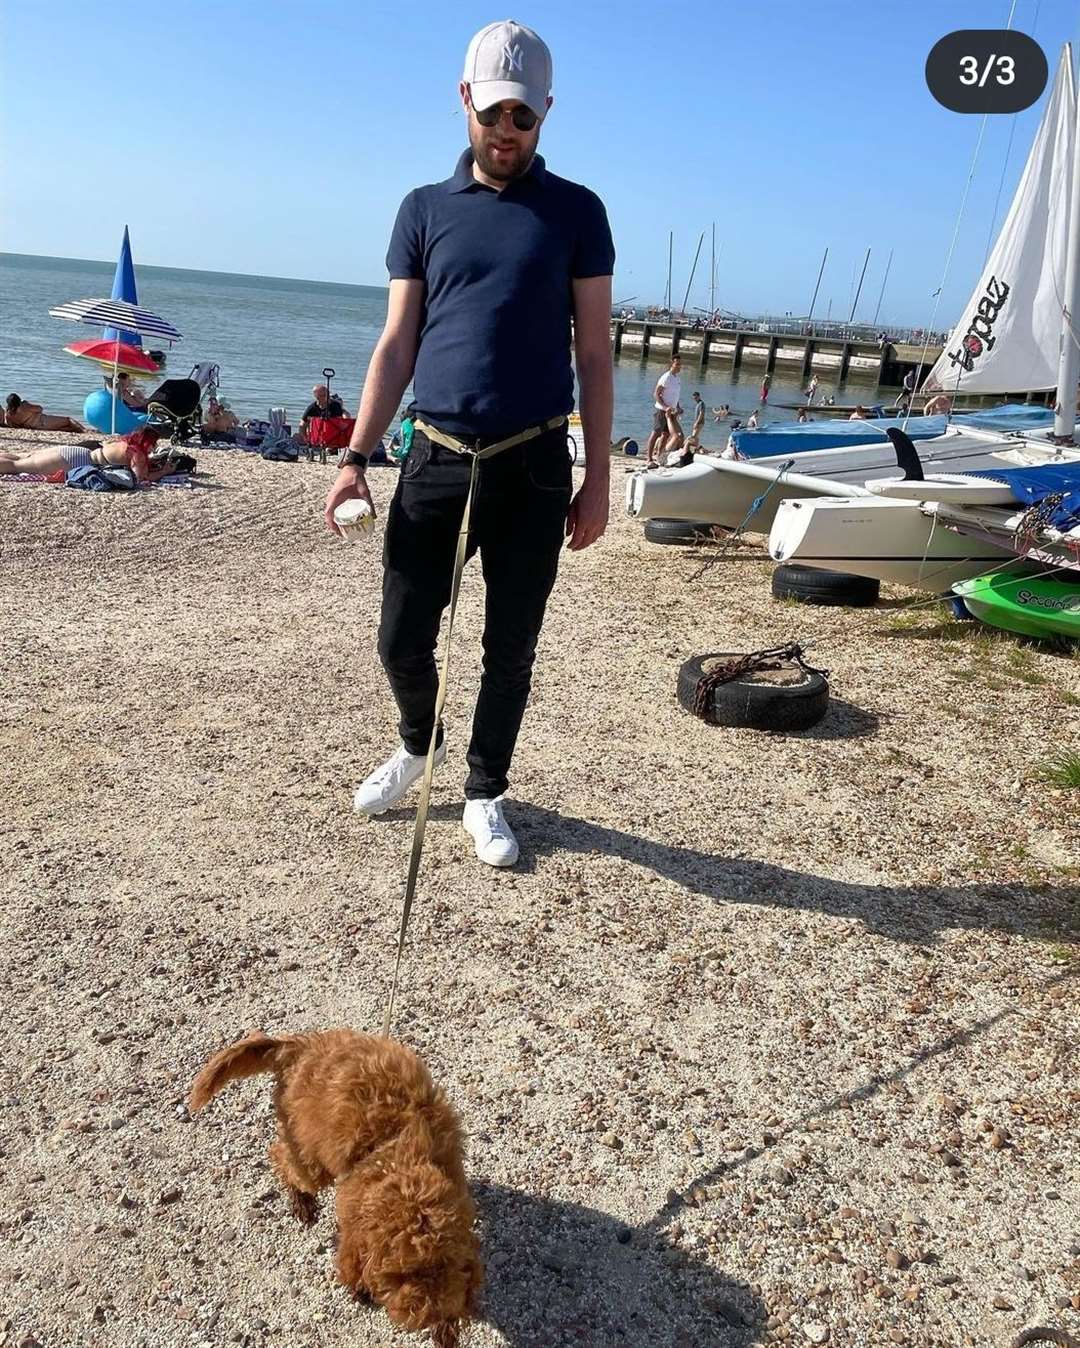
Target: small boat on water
834, 409
1032, 606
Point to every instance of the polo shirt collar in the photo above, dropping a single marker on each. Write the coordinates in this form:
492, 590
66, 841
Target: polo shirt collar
463, 178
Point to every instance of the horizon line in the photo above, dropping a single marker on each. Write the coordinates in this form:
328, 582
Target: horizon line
208, 271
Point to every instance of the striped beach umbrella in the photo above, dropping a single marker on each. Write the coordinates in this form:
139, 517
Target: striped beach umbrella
117, 314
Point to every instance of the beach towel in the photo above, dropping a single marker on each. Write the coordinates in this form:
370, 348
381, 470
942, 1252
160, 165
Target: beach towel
107, 478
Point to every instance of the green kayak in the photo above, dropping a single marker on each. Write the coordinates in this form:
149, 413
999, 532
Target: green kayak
1039, 606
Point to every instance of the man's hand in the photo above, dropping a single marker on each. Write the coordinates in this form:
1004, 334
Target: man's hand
350, 484
587, 517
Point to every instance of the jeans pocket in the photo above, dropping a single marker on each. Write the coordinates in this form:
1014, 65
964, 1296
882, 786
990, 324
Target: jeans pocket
548, 467
417, 458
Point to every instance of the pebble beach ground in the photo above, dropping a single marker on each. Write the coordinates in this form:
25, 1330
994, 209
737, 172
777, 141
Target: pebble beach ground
764, 1040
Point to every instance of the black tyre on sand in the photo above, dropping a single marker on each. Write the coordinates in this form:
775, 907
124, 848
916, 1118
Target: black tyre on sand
682, 531
811, 586
781, 696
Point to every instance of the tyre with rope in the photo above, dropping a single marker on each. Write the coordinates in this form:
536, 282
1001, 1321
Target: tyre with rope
765, 690
811, 586
682, 531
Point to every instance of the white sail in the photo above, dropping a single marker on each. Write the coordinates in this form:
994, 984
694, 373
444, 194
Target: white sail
1009, 336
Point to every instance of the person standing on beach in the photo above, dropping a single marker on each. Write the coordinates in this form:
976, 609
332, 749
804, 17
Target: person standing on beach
694, 442
487, 271
811, 391
766, 384
665, 404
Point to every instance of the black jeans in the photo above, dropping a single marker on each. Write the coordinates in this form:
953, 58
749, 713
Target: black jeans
518, 525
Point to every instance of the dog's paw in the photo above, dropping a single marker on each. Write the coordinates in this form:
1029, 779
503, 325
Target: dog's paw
305, 1207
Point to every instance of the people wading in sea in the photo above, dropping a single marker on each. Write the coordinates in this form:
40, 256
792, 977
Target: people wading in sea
492, 264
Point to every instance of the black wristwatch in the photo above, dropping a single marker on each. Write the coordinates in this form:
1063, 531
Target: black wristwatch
352, 458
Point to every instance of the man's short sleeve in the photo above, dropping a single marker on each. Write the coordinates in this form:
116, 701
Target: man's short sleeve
405, 256
594, 251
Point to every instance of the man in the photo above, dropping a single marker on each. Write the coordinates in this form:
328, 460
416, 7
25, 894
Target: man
766, 384
698, 426
665, 425
907, 392
487, 269
322, 406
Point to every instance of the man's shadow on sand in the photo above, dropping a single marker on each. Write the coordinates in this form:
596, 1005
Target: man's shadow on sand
559, 1273
909, 913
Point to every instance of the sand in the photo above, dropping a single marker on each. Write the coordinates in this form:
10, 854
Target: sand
764, 1038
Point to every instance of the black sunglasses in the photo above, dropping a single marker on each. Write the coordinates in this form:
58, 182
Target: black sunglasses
524, 118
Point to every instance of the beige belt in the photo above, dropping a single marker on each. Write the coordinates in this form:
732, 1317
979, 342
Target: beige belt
476, 454
463, 447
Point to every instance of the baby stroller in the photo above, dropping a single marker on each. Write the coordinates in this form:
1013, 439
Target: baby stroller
175, 405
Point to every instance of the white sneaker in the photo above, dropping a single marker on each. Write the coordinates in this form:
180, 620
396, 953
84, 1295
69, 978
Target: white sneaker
495, 841
390, 781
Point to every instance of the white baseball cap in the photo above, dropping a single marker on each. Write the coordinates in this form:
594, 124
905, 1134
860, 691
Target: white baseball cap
508, 60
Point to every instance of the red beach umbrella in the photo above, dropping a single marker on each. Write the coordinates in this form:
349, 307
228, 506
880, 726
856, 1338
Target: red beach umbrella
119, 355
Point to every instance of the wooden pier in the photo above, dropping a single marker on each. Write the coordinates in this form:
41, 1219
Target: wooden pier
838, 357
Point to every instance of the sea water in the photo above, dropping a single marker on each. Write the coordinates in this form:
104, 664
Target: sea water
273, 337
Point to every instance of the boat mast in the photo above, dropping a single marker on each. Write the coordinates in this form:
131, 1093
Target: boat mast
858, 292
712, 274
667, 293
821, 272
693, 269
1069, 360
888, 265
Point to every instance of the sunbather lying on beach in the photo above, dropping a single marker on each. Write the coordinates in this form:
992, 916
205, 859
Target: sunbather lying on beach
30, 417
128, 451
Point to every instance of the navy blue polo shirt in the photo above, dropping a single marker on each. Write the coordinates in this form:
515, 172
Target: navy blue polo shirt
494, 353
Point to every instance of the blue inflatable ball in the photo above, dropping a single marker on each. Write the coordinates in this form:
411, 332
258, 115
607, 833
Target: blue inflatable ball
97, 412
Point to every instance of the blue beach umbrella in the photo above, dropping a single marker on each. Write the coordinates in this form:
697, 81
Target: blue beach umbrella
123, 288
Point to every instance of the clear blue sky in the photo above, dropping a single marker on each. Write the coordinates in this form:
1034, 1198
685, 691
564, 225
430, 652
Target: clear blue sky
278, 138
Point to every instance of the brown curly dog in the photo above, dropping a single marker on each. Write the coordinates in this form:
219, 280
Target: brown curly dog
363, 1113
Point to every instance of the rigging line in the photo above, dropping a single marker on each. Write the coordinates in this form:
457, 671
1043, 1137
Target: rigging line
1008, 152
948, 264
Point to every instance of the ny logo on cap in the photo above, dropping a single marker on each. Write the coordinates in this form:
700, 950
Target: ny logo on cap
512, 56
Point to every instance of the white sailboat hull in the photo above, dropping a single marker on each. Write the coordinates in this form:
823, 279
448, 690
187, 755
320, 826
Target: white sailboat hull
888, 540
723, 491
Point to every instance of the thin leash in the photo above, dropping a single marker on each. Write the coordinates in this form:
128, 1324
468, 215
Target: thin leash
420, 824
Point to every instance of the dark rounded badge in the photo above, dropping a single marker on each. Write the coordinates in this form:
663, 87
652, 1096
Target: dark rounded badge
986, 70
